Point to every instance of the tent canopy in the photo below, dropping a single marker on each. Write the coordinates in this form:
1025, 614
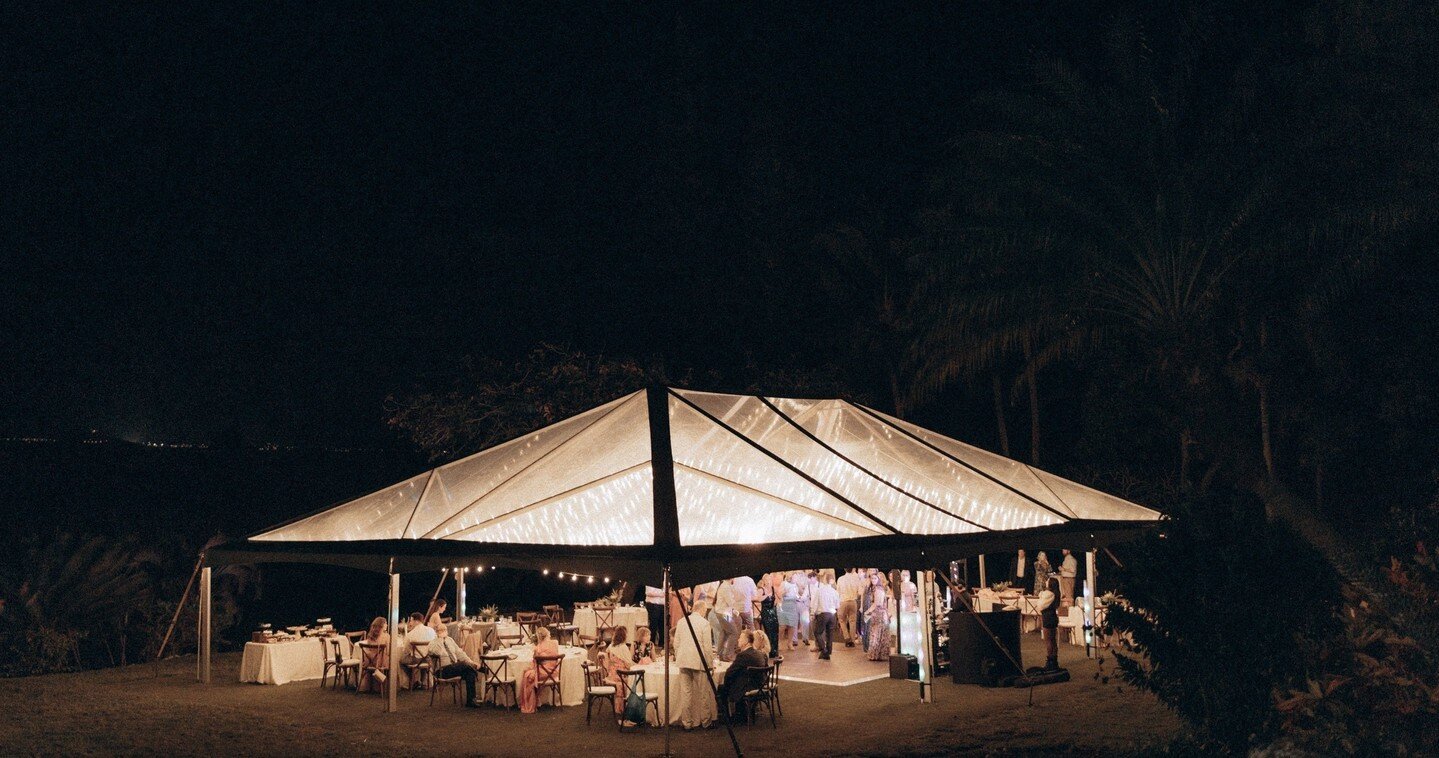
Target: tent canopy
714, 484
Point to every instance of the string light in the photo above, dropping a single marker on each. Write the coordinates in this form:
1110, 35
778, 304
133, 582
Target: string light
562, 575
546, 572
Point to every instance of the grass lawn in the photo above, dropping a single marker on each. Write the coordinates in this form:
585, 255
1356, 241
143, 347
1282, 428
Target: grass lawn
131, 711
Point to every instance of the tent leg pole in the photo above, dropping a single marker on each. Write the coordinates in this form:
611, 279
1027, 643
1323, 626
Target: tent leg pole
1091, 578
926, 634
983, 577
669, 648
392, 693
460, 593
203, 657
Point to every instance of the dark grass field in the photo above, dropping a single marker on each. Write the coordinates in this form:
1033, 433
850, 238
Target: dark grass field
131, 711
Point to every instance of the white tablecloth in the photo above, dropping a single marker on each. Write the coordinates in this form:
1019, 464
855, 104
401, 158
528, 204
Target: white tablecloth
281, 662
655, 684
470, 635
627, 616
572, 675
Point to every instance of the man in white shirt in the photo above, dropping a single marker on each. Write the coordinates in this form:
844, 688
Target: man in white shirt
827, 605
1068, 569
697, 707
418, 637
450, 661
746, 588
850, 586
727, 618
1021, 567
655, 610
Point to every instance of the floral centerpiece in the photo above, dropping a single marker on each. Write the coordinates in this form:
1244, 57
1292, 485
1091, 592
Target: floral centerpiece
489, 613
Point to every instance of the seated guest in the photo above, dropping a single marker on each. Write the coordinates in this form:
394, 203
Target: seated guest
454, 662
618, 657
375, 660
644, 649
739, 679
620, 645
529, 696
417, 640
435, 618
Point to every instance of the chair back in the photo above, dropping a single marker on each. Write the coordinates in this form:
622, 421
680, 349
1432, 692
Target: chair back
508, 640
593, 675
372, 656
634, 680
604, 616
545, 674
555, 613
335, 648
528, 627
495, 668
761, 678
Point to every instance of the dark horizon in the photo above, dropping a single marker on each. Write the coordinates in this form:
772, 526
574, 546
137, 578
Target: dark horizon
257, 225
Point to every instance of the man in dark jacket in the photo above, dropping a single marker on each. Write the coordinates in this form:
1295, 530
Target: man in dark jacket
739, 679
1049, 619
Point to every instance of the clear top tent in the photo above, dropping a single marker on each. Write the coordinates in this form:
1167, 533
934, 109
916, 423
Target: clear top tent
712, 484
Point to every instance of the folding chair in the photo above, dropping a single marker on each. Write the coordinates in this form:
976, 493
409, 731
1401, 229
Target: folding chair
766, 694
605, 621
372, 662
496, 670
635, 682
596, 688
337, 662
437, 681
547, 678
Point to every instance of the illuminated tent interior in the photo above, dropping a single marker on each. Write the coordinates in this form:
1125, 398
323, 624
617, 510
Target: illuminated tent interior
712, 484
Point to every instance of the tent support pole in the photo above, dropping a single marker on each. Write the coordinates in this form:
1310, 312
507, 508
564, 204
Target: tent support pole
460, 593
709, 677
203, 657
669, 648
392, 692
926, 631
1091, 578
983, 578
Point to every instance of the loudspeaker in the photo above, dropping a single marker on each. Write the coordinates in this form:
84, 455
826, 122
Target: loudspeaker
903, 667
974, 655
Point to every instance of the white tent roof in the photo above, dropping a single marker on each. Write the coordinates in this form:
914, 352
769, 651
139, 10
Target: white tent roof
743, 470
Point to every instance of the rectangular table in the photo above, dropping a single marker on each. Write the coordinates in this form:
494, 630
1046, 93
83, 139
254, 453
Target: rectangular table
282, 662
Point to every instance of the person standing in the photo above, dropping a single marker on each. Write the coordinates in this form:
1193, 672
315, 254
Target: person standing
1042, 570
694, 655
1021, 570
849, 587
726, 616
655, 610
768, 613
746, 588
1068, 570
1048, 604
826, 606
788, 612
908, 593
876, 616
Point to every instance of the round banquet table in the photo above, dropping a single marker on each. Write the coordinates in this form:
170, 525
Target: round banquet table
655, 684
572, 675
293, 661
627, 616
472, 635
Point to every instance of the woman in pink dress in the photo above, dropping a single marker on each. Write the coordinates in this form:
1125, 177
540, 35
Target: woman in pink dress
528, 694
618, 657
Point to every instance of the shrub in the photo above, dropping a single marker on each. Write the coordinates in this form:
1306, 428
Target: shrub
1221, 610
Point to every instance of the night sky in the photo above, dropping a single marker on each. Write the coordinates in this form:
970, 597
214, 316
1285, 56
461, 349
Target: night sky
263, 220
